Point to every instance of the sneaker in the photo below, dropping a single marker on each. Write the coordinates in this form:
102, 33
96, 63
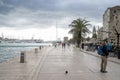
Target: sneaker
104, 71
101, 70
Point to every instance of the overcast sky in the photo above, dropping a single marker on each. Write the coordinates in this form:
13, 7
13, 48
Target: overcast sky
24, 19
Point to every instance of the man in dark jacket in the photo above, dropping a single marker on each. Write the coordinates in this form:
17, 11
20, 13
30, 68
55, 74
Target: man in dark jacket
104, 57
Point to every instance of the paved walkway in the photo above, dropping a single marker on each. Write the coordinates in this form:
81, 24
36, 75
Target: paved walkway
110, 58
51, 63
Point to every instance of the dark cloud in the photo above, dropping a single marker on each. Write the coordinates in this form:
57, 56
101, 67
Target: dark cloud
5, 8
34, 4
45, 13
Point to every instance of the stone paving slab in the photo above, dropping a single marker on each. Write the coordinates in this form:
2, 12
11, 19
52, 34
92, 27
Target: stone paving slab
14, 70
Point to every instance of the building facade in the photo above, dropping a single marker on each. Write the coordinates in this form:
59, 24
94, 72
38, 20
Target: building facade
111, 24
65, 39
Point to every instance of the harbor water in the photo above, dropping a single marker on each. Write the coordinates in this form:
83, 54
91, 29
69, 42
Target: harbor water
11, 50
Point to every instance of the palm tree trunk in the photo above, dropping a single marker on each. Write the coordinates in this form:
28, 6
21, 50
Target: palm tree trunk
79, 39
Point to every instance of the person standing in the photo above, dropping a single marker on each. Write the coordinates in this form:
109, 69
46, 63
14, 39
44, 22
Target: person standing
104, 57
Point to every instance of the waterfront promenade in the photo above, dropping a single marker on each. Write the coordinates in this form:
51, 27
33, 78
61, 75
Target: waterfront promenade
110, 58
50, 63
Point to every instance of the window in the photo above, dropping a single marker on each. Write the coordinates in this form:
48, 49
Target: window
117, 22
114, 11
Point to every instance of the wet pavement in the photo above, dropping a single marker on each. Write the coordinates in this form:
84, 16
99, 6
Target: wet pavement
52, 63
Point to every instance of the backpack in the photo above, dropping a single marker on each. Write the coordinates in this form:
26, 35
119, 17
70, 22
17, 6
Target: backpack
99, 51
108, 46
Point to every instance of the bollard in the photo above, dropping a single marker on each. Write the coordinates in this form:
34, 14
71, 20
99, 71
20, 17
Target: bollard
40, 47
23, 57
36, 50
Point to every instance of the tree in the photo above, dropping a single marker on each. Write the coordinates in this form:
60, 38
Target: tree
94, 33
79, 29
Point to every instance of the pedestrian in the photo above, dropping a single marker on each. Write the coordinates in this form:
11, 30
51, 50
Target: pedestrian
63, 45
104, 57
82, 45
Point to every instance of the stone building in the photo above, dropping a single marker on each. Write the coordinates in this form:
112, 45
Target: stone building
65, 39
111, 24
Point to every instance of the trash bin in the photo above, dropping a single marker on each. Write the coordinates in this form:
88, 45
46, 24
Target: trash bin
23, 57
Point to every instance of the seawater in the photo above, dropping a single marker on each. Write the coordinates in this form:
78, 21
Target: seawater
11, 50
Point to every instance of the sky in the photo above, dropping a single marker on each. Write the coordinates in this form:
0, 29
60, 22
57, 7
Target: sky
48, 19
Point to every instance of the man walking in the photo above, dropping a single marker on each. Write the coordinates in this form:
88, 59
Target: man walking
104, 57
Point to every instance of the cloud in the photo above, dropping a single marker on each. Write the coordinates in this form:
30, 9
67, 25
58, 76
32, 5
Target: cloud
23, 18
46, 13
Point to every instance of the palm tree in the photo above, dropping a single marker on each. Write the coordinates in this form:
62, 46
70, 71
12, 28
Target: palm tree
79, 29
